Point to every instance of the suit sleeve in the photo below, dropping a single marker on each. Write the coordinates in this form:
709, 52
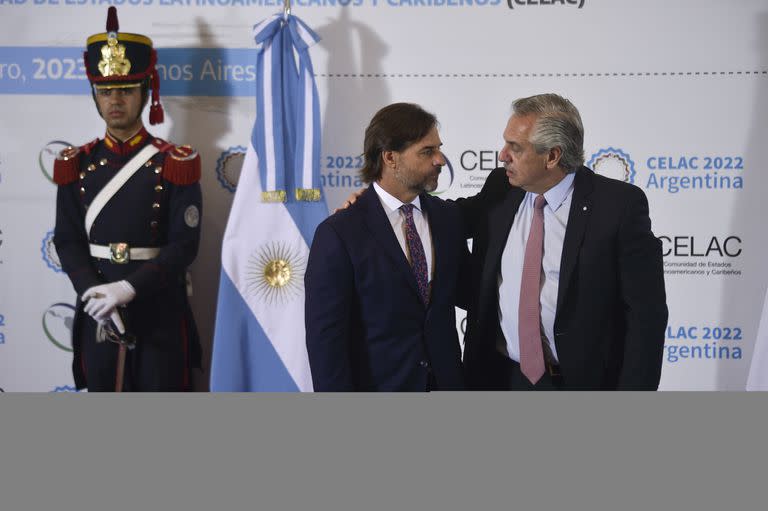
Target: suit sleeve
71, 241
180, 250
641, 275
475, 208
464, 278
328, 311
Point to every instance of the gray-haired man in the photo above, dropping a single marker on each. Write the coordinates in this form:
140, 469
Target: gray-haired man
569, 283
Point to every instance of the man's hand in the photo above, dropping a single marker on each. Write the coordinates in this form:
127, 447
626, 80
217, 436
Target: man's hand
102, 300
350, 200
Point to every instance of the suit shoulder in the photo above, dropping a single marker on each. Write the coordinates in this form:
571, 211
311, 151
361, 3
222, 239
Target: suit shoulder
182, 162
66, 167
441, 206
616, 186
346, 218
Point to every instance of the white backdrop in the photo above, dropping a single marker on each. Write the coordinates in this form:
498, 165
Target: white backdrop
673, 96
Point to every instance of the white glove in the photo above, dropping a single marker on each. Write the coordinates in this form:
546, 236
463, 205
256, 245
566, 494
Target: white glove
117, 321
101, 300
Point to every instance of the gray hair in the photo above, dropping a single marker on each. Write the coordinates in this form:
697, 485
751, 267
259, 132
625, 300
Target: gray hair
558, 124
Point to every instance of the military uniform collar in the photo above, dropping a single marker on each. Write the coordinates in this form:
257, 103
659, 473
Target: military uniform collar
130, 146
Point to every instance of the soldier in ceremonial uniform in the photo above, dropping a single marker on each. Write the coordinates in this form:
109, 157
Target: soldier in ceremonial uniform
127, 227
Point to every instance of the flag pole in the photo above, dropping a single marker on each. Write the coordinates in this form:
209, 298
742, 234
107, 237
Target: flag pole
286, 8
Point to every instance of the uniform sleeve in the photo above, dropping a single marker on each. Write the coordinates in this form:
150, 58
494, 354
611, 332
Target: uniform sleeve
71, 240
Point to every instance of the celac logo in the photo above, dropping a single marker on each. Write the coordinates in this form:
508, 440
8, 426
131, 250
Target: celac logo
512, 4
228, 167
48, 154
50, 256
614, 163
65, 388
57, 325
445, 181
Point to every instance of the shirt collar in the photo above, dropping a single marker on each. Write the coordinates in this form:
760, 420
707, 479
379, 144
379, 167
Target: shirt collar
391, 202
557, 194
132, 144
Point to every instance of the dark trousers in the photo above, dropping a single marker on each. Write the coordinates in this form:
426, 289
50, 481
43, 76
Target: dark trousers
510, 377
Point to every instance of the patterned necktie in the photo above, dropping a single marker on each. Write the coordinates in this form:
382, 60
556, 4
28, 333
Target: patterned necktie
416, 251
529, 314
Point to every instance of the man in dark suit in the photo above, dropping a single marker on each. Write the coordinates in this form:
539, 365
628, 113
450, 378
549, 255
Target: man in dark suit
382, 276
569, 283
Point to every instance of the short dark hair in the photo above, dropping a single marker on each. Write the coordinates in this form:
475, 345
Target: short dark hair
393, 128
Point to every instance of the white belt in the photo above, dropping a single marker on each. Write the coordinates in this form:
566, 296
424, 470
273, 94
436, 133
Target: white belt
121, 253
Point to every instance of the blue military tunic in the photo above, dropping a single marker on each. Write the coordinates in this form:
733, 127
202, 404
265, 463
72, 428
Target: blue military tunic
158, 207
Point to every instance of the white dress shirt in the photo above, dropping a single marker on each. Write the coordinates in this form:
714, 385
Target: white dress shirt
396, 217
555, 221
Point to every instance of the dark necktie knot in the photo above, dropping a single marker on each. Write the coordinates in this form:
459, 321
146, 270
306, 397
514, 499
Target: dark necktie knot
540, 202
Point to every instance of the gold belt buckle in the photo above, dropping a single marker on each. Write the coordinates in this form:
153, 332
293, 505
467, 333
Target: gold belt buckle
119, 253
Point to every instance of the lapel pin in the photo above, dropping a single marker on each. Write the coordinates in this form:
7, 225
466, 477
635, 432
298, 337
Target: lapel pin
584, 208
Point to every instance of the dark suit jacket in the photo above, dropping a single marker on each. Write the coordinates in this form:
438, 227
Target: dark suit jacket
367, 328
611, 303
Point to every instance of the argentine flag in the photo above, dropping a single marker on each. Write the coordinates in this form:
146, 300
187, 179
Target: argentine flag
259, 342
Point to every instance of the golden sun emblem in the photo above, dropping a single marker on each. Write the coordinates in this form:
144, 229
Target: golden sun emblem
275, 273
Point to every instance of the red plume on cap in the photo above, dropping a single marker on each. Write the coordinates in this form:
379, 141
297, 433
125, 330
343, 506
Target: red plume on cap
112, 25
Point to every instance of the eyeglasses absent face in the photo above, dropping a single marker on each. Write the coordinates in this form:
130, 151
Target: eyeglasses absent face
117, 92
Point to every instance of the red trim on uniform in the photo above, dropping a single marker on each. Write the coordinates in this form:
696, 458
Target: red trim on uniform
129, 146
185, 348
66, 171
162, 144
182, 172
82, 365
89, 146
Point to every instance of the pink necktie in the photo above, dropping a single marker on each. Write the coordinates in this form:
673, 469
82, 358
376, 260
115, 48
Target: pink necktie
529, 314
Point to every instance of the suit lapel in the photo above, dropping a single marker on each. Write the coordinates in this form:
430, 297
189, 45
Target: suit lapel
381, 230
500, 220
578, 218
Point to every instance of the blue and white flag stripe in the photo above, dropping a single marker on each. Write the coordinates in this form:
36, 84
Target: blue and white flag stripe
278, 71
259, 340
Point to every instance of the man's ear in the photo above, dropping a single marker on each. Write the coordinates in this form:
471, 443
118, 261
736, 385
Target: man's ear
553, 157
389, 158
